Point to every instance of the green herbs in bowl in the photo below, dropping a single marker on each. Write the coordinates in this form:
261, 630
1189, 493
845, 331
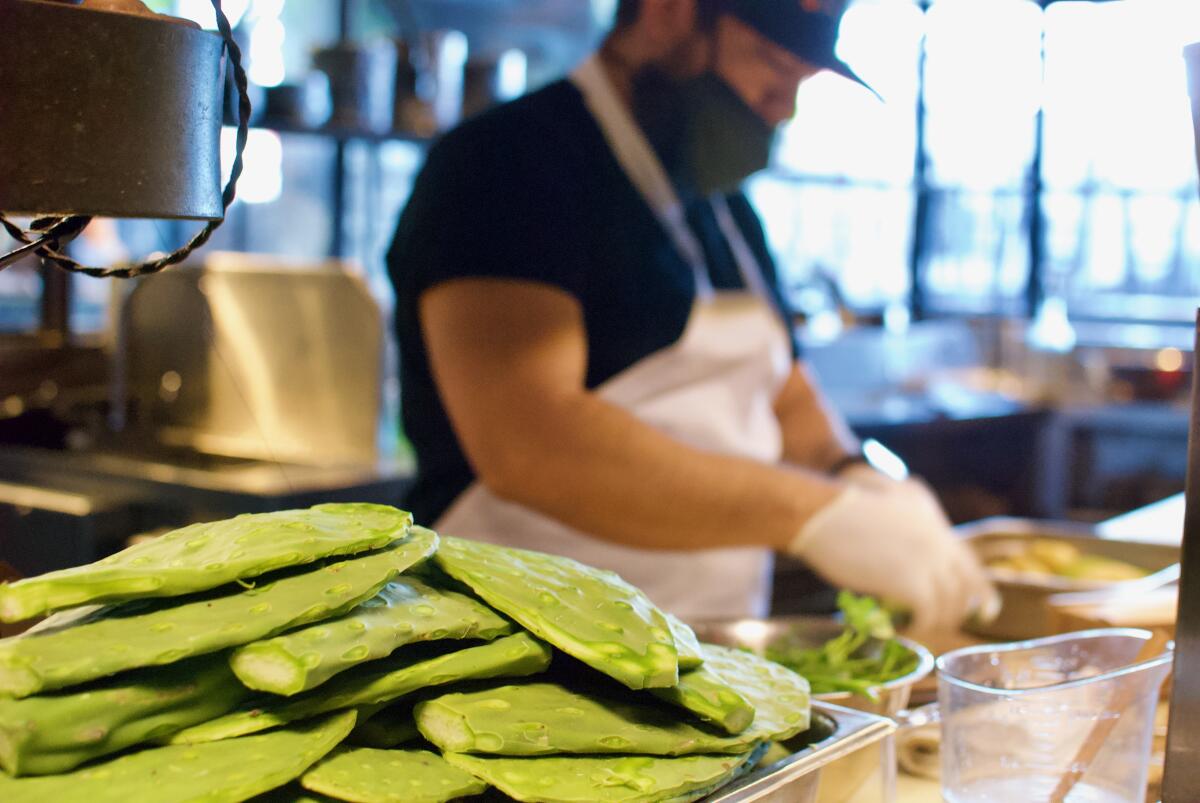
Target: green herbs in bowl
865, 656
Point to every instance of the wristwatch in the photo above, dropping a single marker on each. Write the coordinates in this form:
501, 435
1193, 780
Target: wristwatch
874, 454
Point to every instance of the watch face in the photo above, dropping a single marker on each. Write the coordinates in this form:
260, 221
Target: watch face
884, 460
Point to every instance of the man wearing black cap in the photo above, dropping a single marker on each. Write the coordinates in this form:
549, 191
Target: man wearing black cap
596, 358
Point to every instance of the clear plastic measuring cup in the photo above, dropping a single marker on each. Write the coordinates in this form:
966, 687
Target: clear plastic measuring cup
1014, 717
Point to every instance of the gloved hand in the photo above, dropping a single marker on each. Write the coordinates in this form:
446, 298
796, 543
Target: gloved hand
894, 542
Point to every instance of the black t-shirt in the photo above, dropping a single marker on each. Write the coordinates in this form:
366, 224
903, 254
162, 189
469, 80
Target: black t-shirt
532, 191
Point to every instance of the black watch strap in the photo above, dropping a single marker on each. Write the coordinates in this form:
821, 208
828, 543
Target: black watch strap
874, 454
846, 461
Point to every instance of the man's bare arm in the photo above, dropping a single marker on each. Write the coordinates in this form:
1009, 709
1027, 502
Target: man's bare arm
509, 359
814, 434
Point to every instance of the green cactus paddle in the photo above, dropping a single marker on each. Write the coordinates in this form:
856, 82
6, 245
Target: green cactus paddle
686, 643
57, 732
151, 632
538, 719
363, 775
204, 556
706, 694
780, 697
604, 779
221, 772
403, 673
404, 611
591, 614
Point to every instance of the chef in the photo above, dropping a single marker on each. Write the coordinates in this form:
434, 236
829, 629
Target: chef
596, 359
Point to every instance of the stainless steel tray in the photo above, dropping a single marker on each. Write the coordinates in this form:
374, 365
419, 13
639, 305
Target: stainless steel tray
1025, 614
796, 779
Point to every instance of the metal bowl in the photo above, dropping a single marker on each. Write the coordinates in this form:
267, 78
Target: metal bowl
813, 631
1025, 613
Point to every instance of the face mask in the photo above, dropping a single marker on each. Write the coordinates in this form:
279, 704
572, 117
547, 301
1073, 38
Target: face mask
726, 141
707, 138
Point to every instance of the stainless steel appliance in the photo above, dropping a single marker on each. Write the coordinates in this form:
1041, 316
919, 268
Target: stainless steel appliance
250, 385
42, 529
252, 358
1181, 777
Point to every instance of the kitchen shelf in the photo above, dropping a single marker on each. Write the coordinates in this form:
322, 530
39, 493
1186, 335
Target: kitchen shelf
341, 137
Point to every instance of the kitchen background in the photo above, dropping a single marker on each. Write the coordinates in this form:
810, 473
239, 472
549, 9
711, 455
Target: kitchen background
996, 271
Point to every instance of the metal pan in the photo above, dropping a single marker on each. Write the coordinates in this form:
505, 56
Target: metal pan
1025, 613
849, 739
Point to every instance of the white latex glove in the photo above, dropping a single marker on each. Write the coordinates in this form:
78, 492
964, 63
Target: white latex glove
895, 543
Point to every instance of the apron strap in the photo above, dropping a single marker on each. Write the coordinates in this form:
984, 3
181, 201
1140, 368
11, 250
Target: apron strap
743, 254
641, 166
644, 169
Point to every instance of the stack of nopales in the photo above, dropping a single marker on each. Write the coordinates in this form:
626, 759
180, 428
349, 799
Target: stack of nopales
342, 653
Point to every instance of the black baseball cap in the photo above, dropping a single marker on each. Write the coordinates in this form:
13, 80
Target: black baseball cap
807, 28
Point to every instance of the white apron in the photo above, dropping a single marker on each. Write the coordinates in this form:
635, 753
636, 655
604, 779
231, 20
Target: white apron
713, 389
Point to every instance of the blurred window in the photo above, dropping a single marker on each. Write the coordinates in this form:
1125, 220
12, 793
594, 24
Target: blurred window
983, 67
1115, 183
848, 205
1119, 168
838, 204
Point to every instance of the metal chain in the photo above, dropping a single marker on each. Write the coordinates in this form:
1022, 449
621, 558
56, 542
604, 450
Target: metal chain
53, 233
